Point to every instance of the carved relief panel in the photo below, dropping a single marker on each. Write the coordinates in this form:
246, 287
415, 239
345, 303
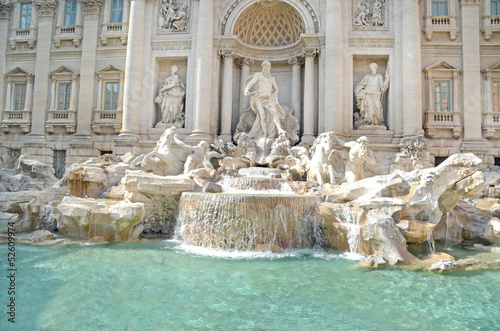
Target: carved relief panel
174, 15
370, 14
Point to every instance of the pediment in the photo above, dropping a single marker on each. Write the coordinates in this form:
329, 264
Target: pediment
494, 68
63, 70
110, 69
19, 71
442, 65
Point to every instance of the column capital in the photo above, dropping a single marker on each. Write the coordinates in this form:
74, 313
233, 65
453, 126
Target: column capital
296, 61
245, 61
74, 76
310, 52
91, 6
9, 80
5, 8
226, 53
46, 8
29, 79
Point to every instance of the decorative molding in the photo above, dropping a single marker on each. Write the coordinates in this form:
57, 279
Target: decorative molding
171, 45
91, 6
5, 8
469, 2
376, 42
236, 3
46, 8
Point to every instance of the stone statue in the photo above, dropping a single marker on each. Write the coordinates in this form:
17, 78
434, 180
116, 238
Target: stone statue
197, 154
369, 13
171, 98
362, 13
262, 89
174, 17
358, 155
162, 158
369, 94
377, 13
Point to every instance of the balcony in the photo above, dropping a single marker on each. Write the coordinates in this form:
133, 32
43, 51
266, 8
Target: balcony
69, 32
116, 31
26, 35
107, 118
435, 24
491, 123
21, 118
491, 24
63, 118
442, 120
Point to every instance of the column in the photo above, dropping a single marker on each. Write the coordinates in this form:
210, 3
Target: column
203, 75
133, 71
296, 64
8, 101
245, 64
309, 115
334, 67
227, 95
91, 11
412, 67
46, 11
72, 100
471, 70
5, 9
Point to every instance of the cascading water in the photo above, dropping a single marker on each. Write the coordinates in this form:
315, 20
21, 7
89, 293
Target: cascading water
257, 220
45, 221
350, 219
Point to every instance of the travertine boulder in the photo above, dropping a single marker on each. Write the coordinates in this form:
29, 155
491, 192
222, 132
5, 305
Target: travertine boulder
40, 235
445, 265
416, 231
28, 175
112, 220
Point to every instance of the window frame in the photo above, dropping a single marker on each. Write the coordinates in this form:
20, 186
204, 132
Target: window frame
73, 13
28, 14
114, 95
118, 10
438, 4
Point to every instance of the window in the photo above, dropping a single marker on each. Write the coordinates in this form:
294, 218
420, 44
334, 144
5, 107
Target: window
495, 7
116, 11
440, 7
442, 95
70, 13
59, 163
63, 96
111, 96
19, 96
25, 19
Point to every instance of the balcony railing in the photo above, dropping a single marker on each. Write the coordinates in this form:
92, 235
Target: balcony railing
491, 123
68, 32
21, 118
23, 35
61, 118
491, 24
114, 30
435, 24
107, 118
443, 120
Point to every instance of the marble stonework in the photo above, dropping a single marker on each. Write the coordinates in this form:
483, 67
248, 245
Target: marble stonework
319, 51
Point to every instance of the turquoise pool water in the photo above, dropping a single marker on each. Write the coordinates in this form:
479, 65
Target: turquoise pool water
158, 285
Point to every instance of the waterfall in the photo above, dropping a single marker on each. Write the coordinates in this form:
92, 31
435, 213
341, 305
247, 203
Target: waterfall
350, 219
45, 221
257, 184
249, 221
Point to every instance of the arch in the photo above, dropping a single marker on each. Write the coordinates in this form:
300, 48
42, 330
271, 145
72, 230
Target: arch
236, 9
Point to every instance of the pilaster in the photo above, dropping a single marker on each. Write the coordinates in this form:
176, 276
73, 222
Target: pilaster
296, 63
309, 113
5, 10
245, 64
227, 95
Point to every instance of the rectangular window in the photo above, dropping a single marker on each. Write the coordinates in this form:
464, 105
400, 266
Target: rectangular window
70, 13
116, 11
25, 19
439, 7
442, 95
111, 96
19, 96
496, 97
63, 96
59, 163
495, 7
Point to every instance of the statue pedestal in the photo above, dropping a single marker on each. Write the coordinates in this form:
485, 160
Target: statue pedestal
376, 134
165, 125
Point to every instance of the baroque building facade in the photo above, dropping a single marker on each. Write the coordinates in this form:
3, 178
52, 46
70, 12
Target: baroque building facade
80, 78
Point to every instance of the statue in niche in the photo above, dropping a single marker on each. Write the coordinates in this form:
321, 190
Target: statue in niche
174, 15
369, 93
195, 159
369, 13
262, 89
171, 99
358, 155
162, 158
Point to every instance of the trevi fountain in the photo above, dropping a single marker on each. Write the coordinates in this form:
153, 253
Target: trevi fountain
257, 233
